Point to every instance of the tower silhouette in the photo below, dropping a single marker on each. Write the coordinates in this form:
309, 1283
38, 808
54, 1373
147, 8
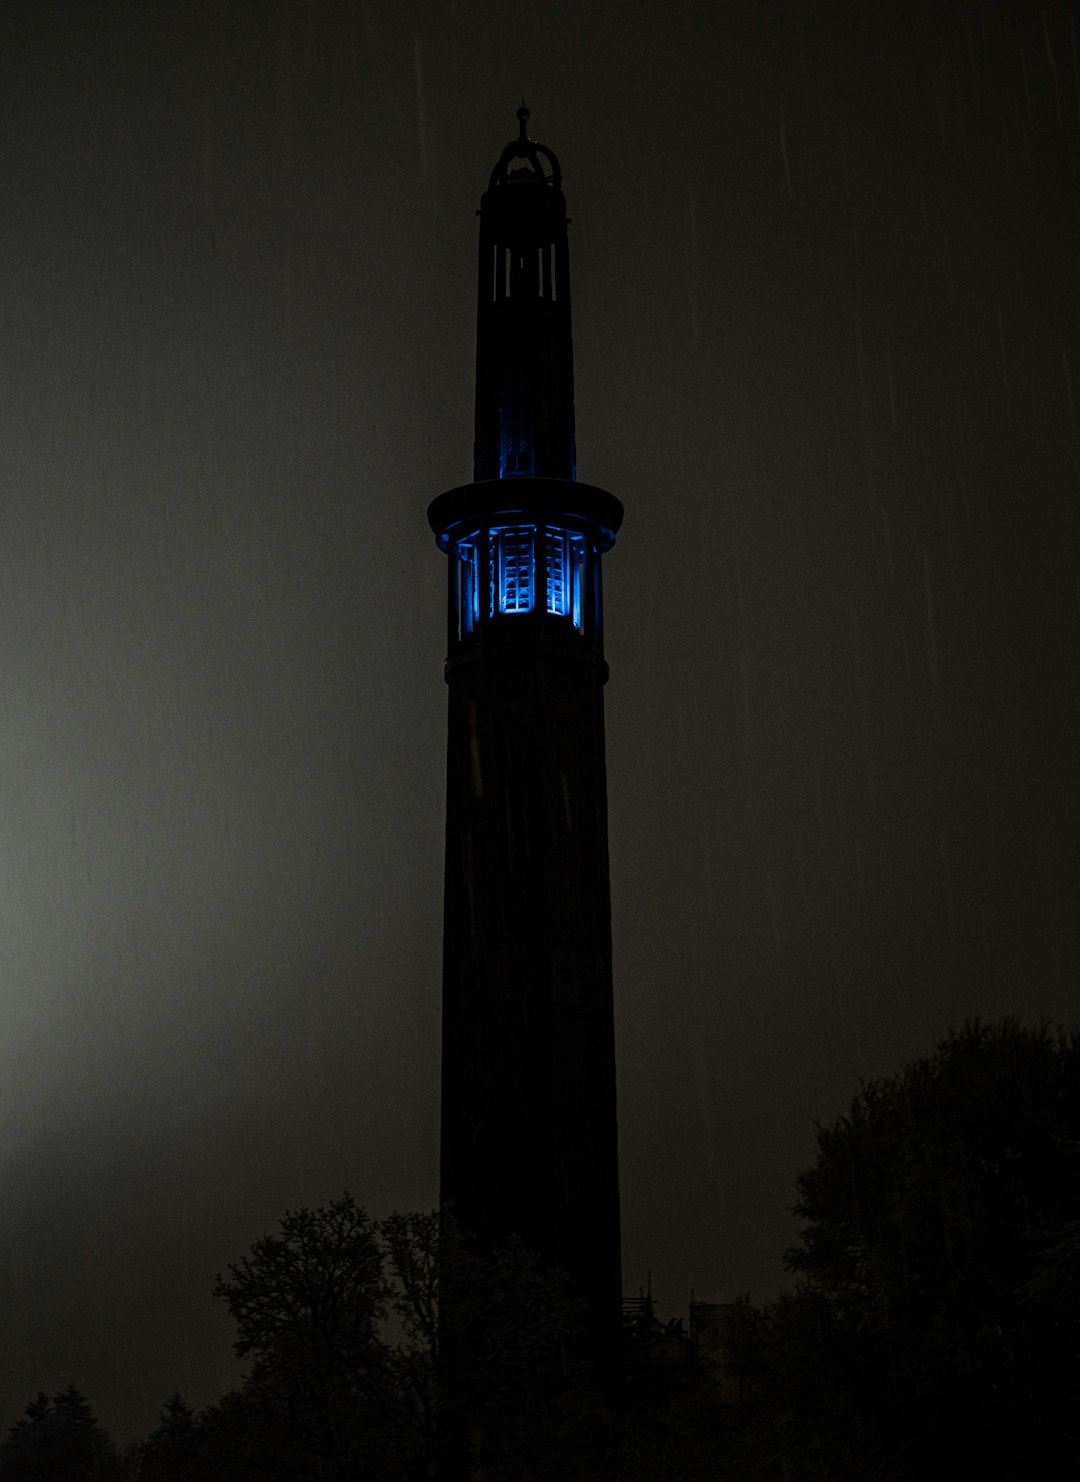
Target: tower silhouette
529, 1141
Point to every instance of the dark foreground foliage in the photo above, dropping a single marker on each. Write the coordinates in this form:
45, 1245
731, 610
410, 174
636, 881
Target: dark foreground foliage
58, 1439
340, 1318
934, 1332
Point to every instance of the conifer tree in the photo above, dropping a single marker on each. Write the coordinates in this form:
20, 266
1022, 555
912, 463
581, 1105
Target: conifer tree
59, 1440
170, 1452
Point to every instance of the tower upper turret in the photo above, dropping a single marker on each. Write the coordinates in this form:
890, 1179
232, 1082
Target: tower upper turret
524, 353
525, 539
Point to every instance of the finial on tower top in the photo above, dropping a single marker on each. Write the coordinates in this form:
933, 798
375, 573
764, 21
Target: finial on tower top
537, 163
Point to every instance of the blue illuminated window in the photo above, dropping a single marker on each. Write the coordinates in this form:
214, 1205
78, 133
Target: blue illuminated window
565, 573
504, 559
515, 437
514, 457
512, 569
558, 585
577, 581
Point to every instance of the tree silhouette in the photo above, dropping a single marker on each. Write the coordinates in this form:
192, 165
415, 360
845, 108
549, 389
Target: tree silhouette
930, 1337
171, 1451
58, 1439
514, 1377
344, 1323
308, 1303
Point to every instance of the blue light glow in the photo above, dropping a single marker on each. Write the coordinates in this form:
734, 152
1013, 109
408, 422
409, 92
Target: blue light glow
504, 560
558, 594
577, 557
515, 442
565, 570
512, 568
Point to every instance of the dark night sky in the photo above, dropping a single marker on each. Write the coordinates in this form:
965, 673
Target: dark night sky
828, 354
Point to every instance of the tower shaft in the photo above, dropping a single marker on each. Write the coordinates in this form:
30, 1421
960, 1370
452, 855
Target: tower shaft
529, 1138
528, 1096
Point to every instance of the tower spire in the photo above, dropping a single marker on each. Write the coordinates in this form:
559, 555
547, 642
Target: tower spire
528, 1090
524, 352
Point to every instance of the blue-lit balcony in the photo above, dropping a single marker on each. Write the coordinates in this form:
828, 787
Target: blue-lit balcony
525, 561
500, 571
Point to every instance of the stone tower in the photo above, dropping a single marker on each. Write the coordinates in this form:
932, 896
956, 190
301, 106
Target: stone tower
529, 1143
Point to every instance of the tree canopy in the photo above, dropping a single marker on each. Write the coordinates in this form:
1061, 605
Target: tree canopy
937, 1321
343, 1321
58, 1439
171, 1451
